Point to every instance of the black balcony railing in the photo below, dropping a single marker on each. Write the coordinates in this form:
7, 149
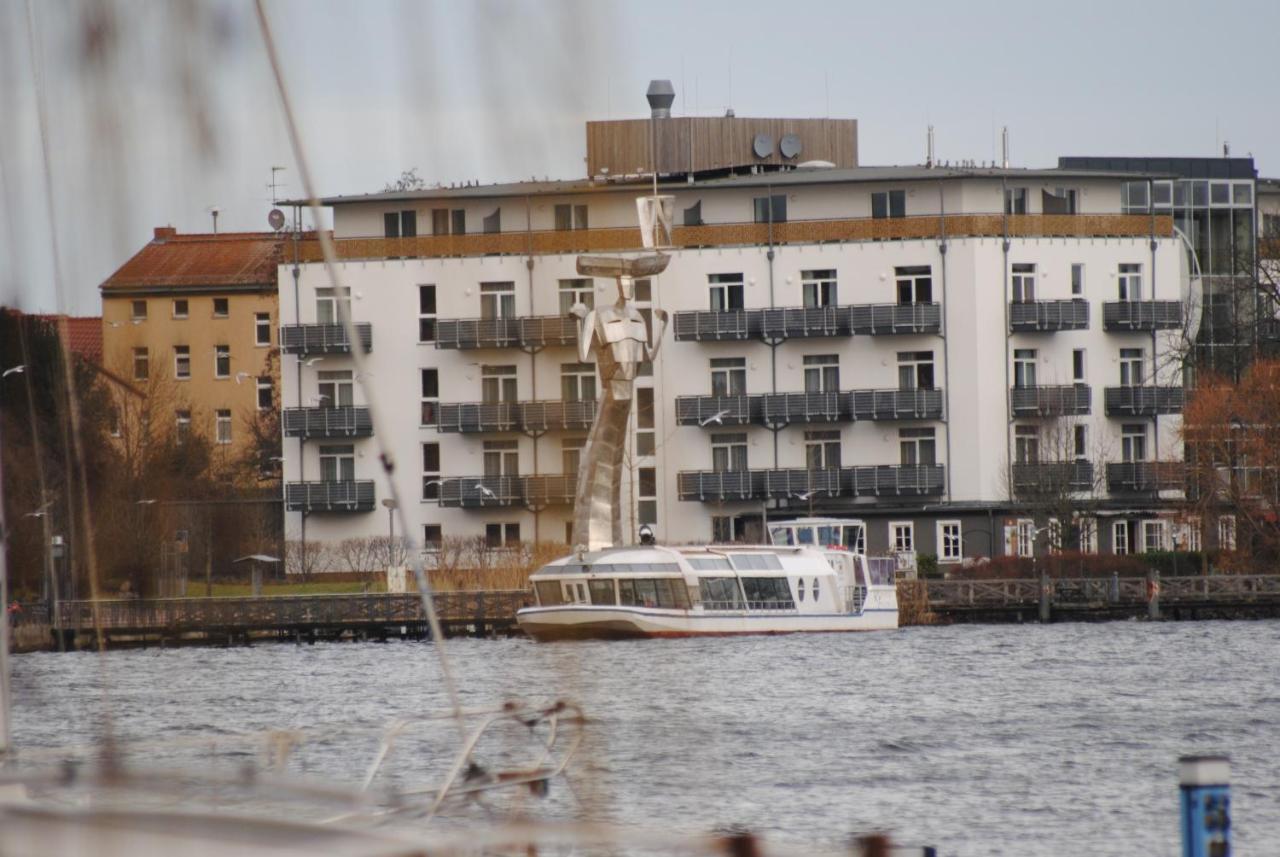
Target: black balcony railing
477, 492
896, 404
327, 422
323, 338
1052, 478
349, 496
1143, 401
777, 409
802, 485
529, 332
1037, 316
803, 322
1051, 401
1145, 477
1141, 315
532, 417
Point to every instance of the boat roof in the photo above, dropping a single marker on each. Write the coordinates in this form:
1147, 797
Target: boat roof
644, 558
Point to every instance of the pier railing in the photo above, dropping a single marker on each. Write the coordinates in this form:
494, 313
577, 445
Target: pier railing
1027, 592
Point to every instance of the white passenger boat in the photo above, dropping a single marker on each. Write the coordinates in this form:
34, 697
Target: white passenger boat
656, 591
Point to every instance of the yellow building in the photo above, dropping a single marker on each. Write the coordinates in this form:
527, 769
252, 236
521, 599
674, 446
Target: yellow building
192, 320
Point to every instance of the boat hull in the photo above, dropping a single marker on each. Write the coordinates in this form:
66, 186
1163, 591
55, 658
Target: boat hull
610, 623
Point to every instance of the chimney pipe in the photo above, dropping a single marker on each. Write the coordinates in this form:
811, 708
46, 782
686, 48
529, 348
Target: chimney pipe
928, 158
1004, 147
214, 212
660, 95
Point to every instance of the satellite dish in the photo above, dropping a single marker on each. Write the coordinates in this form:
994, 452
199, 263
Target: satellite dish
762, 146
276, 218
790, 145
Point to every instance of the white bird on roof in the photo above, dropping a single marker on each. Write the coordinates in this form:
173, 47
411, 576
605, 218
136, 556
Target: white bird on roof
717, 418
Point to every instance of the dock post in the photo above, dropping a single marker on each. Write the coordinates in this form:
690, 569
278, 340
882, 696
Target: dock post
1153, 593
1046, 597
1205, 786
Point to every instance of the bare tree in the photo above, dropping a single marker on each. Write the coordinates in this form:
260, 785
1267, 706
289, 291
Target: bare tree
361, 555
307, 559
409, 180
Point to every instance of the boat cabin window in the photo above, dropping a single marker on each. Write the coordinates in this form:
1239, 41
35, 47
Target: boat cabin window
881, 570
548, 591
782, 536
710, 563
632, 567
815, 588
653, 592
800, 589
720, 593
768, 593
602, 592
756, 562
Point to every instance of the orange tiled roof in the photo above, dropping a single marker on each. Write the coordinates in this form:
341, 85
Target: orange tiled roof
177, 261
84, 333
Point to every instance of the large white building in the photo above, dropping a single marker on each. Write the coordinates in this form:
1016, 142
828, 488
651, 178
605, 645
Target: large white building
953, 356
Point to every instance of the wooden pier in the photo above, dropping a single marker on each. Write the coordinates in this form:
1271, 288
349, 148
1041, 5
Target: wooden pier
301, 618
1218, 596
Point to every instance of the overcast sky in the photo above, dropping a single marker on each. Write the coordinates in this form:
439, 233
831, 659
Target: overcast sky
158, 111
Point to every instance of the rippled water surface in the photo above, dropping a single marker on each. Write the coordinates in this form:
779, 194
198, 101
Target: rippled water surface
1018, 740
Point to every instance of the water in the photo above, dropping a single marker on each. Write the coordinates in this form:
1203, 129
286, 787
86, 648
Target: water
1019, 740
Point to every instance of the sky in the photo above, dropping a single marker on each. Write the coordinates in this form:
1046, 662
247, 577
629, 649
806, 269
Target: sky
157, 111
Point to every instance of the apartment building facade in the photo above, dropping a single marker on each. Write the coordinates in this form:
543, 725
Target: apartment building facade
931, 352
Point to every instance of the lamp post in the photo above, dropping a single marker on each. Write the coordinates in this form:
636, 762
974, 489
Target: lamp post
391, 505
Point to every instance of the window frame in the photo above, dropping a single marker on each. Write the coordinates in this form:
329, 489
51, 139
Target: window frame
896, 530
221, 421
944, 541
221, 356
181, 308
429, 414
430, 476
261, 326
141, 356
266, 383
221, 307
182, 362
427, 312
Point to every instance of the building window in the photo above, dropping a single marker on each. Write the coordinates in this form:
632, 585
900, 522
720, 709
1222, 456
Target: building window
1023, 280
439, 221
1192, 539
1120, 538
577, 291
1227, 533
818, 288
138, 310
182, 427
1077, 280
728, 376
889, 203
432, 537
222, 361
1024, 367
915, 284
430, 396
1026, 444
822, 373
726, 292
1060, 200
1152, 536
400, 224
822, 450
182, 362
578, 382
1077, 365
327, 300
338, 463
501, 458
647, 495
497, 384
728, 452
1080, 441
1133, 442
1130, 282
141, 364
262, 328
426, 313
431, 471
902, 537
917, 446
222, 426
336, 389
1088, 535
645, 440
497, 300
950, 541
502, 535
1130, 367
1026, 538
770, 209
571, 454
570, 217
1134, 197
915, 370
180, 308
693, 215
492, 223
265, 398
221, 307
721, 529
1015, 200
458, 221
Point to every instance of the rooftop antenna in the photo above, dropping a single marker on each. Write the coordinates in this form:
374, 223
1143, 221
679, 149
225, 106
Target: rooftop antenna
1226, 148
928, 158
213, 210
1004, 147
274, 184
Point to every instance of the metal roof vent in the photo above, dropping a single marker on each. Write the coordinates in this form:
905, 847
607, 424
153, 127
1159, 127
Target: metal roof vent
660, 94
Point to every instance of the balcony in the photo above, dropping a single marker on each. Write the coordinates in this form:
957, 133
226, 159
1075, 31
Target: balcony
327, 422
1045, 316
801, 484
1052, 478
1141, 315
806, 322
770, 409
1143, 401
351, 496
483, 492
323, 338
896, 404
530, 333
1039, 401
1145, 477
530, 417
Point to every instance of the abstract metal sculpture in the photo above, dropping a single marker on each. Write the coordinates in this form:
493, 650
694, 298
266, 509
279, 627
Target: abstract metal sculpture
621, 339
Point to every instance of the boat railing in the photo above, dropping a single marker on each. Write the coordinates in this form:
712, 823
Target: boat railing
773, 606
735, 606
855, 597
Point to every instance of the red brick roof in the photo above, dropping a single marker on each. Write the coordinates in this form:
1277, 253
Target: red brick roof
203, 261
84, 333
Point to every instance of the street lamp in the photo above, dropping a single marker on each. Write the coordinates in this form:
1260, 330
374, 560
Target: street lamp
391, 505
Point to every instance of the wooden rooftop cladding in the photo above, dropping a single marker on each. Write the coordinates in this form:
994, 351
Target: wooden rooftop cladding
738, 234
